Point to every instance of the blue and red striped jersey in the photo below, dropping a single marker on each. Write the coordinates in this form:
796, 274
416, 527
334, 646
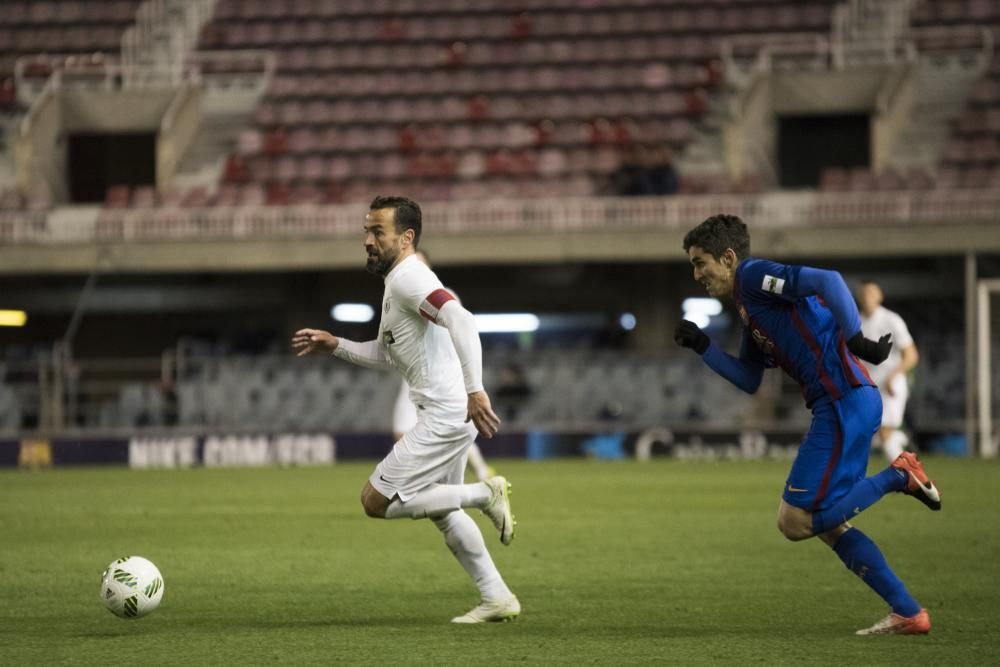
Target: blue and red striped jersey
788, 324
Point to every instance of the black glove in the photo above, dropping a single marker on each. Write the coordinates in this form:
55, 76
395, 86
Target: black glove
687, 334
869, 350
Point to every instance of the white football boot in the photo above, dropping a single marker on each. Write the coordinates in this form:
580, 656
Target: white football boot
498, 509
496, 611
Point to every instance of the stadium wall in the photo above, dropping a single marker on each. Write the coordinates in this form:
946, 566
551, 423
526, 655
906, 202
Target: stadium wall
495, 233
298, 449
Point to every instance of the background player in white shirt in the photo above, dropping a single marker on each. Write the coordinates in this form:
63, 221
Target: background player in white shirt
428, 336
404, 412
890, 375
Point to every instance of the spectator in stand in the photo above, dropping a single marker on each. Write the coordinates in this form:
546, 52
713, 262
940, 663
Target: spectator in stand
645, 172
660, 177
626, 180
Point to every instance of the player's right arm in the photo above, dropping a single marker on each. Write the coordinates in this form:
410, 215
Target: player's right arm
461, 326
368, 354
746, 371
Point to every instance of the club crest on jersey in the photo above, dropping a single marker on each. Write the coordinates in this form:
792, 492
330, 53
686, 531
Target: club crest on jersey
773, 284
387, 337
763, 342
385, 306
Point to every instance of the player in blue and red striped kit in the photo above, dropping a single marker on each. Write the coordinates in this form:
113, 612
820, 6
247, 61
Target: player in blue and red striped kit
804, 320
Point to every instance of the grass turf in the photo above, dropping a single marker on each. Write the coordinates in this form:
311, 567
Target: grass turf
614, 563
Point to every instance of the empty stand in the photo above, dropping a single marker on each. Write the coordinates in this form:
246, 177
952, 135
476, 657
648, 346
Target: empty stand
455, 100
62, 27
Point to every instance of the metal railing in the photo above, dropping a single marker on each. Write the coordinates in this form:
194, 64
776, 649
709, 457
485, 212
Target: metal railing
525, 216
164, 31
744, 55
36, 73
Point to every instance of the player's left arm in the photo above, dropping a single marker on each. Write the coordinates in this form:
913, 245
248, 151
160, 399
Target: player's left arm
804, 281
424, 294
461, 326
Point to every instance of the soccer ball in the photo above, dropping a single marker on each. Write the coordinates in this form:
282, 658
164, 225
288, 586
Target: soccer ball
131, 587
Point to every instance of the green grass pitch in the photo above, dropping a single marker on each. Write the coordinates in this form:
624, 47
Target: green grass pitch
615, 563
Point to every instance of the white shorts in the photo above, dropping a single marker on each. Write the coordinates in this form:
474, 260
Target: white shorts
432, 452
894, 406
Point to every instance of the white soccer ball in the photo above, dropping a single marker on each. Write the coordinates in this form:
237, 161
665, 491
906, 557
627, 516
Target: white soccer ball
131, 587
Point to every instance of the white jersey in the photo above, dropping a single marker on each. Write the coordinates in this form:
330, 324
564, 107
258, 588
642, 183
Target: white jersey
881, 322
422, 352
404, 412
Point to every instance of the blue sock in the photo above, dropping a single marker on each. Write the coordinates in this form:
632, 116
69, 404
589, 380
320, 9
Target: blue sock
863, 558
863, 495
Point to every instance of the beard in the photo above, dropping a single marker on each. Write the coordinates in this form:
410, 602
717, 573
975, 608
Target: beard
380, 264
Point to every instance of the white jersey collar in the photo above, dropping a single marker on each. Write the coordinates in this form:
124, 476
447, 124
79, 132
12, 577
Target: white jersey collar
396, 268
875, 313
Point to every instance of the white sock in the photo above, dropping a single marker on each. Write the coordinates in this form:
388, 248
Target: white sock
478, 463
893, 445
439, 499
462, 536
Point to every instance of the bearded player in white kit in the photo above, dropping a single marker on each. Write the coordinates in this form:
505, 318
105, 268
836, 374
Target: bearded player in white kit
432, 340
890, 375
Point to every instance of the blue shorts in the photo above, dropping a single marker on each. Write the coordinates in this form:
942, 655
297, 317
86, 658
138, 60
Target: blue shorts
833, 456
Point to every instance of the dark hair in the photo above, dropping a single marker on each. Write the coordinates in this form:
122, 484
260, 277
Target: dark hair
407, 214
718, 233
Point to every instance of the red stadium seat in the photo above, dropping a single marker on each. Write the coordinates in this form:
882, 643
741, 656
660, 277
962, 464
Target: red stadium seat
117, 196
